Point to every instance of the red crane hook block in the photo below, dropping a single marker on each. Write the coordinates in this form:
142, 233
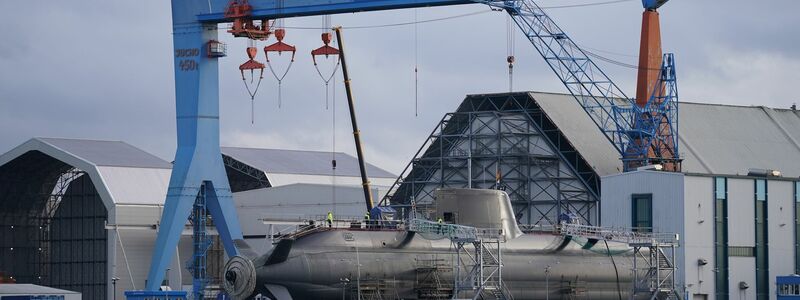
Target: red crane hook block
326, 49
252, 65
279, 46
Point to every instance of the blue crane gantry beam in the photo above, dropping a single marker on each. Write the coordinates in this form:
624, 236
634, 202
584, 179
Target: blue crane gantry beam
198, 163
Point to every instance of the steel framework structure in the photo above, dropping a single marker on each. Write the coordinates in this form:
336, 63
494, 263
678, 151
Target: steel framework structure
642, 135
479, 271
244, 177
506, 135
52, 225
200, 244
429, 284
654, 270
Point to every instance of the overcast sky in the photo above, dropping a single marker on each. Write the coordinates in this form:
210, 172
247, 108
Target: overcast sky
103, 70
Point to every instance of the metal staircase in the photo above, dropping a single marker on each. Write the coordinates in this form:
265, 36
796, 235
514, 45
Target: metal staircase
429, 284
478, 271
478, 266
654, 254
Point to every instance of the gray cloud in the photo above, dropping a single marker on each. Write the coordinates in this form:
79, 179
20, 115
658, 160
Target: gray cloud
103, 69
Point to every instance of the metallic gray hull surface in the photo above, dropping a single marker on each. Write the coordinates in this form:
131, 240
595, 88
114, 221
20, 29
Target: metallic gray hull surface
318, 262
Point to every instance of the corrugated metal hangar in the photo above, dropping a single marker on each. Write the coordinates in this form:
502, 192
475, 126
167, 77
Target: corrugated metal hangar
76, 213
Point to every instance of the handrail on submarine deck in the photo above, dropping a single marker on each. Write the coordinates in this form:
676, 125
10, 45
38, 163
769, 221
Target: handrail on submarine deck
308, 226
452, 231
629, 236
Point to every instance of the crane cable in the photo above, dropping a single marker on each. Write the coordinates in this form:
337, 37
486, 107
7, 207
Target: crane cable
510, 52
279, 24
616, 271
326, 26
252, 93
461, 16
333, 148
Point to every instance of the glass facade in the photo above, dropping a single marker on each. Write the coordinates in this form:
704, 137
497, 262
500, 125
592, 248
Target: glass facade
762, 259
721, 237
642, 212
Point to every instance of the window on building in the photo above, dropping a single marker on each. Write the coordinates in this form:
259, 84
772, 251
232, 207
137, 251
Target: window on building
642, 212
741, 251
761, 190
761, 251
720, 188
721, 238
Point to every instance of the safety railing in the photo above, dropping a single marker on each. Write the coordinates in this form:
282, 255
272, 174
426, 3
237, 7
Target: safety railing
622, 235
451, 231
306, 226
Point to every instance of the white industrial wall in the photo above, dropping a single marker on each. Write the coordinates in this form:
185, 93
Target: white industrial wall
278, 179
693, 219
741, 233
133, 244
698, 238
780, 203
668, 204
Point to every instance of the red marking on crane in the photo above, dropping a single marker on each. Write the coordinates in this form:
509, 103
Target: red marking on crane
243, 26
650, 57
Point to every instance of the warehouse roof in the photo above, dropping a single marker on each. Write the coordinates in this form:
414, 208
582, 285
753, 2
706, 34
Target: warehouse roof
279, 161
108, 153
122, 174
714, 138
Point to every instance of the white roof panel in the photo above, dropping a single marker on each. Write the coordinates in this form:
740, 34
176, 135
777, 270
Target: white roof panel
136, 185
582, 133
714, 138
301, 162
108, 153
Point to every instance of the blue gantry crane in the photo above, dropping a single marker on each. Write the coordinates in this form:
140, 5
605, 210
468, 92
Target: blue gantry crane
643, 133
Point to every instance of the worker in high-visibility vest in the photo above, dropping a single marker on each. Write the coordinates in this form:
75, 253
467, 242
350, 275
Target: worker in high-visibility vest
366, 217
329, 219
439, 221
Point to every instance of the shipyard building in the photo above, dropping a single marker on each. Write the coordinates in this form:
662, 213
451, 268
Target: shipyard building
82, 215
734, 205
77, 213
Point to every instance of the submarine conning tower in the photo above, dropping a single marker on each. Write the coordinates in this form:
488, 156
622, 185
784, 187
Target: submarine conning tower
478, 208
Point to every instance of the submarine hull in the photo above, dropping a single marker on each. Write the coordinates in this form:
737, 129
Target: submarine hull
398, 264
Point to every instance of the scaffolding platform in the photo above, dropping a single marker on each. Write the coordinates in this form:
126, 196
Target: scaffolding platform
653, 270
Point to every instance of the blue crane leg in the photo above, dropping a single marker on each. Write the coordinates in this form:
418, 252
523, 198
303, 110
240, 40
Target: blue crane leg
198, 157
178, 208
220, 204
